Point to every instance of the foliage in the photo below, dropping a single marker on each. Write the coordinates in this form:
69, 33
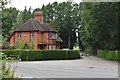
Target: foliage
5, 57
4, 2
26, 14
99, 28
36, 55
12, 19
24, 45
6, 72
8, 18
73, 54
109, 54
19, 21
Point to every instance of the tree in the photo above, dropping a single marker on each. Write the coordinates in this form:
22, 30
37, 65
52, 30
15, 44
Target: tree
99, 28
64, 18
26, 14
19, 22
8, 18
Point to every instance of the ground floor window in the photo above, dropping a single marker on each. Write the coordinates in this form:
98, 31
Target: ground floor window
52, 47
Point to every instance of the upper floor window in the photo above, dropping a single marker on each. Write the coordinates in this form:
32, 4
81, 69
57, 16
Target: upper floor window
19, 35
31, 35
52, 35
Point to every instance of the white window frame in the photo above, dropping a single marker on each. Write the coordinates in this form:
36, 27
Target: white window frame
52, 47
19, 35
31, 35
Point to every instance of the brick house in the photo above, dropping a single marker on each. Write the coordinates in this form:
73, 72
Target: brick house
40, 33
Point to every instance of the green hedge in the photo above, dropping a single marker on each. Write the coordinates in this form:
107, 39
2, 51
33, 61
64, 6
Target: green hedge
36, 55
109, 55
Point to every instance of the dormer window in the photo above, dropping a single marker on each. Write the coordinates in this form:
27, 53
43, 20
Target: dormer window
52, 35
31, 35
19, 35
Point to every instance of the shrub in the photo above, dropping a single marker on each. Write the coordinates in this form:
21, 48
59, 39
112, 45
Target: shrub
73, 54
118, 57
8, 73
109, 55
36, 55
54, 54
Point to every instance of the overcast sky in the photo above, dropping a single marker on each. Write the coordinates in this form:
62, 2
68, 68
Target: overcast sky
20, 4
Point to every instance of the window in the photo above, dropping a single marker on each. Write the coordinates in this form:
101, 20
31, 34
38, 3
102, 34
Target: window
31, 35
52, 35
52, 47
19, 35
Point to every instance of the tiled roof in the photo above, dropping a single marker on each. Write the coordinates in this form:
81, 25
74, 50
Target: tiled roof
34, 25
59, 39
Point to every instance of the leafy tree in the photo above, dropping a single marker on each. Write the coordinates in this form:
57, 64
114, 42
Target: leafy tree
8, 18
26, 14
19, 21
64, 18
99, 28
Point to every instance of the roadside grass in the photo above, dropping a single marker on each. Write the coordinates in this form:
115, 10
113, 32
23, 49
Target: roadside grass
8, 73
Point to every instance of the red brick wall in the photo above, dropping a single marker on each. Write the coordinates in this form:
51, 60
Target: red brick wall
12, 41
35, 40
25, 37
45, 39
38, 38
57, 45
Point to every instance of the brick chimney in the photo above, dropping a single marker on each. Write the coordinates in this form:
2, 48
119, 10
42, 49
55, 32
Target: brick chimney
38, 15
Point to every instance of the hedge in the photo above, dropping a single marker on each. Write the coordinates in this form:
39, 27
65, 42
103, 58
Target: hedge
36, 55
109, 54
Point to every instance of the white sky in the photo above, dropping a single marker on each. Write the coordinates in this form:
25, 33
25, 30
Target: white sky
20, 4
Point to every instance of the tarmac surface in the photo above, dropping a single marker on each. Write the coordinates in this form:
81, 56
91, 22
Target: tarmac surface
87, 67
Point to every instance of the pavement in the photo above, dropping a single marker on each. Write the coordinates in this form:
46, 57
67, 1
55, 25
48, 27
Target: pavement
87, 67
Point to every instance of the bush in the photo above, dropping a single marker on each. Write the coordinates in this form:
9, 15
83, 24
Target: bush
36, 55
109, 54
73, 54
8, 73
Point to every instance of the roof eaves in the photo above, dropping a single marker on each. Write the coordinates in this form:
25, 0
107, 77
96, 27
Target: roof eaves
59, 39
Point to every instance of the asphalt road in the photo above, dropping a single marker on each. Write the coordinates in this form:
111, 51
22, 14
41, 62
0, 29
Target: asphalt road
88, 67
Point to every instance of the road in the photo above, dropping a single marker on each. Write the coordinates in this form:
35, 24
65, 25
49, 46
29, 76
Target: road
88, 67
